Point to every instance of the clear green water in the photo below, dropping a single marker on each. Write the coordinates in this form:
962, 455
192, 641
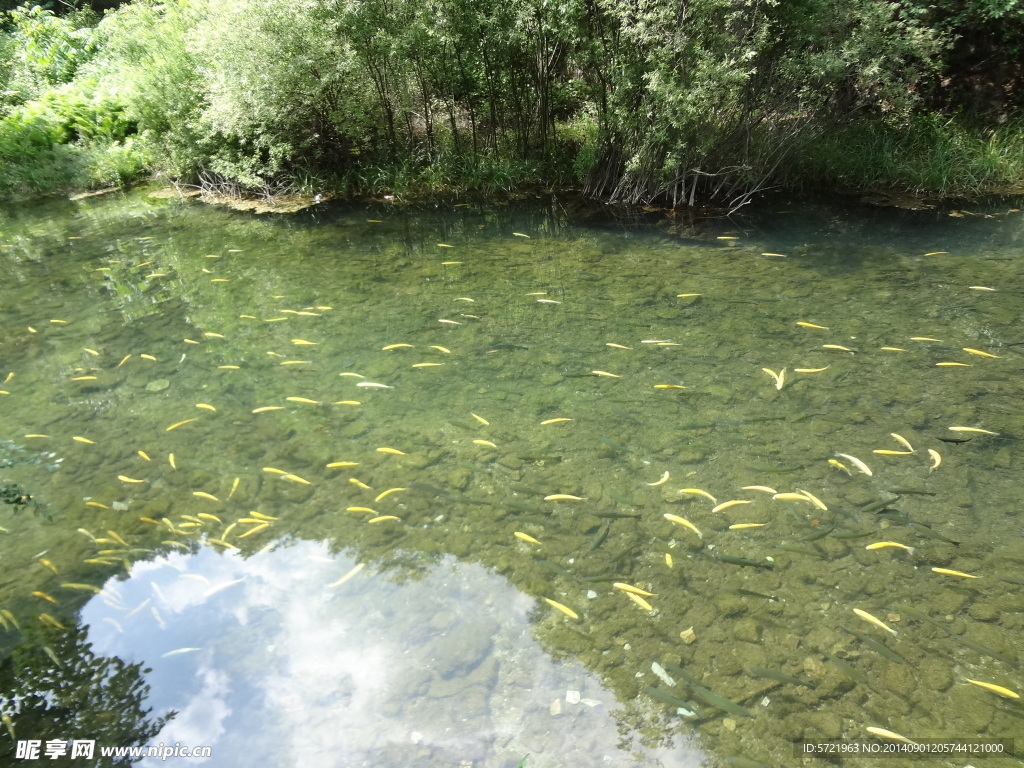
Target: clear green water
441, 649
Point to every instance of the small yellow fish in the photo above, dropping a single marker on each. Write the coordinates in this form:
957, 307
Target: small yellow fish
47, 564
857, 463
744, 526
813, 499
977, 430
170, 460
302, 400
979, 353
44, 596
486, 443
872, 620
258, 516
839, 347
347, 402
669, 386
149, 520
791, 497
803, 324
359, 484
449, 322
633, 590
812, 370
444, 245
304, 343
126, 479
887, 452
554, 421
937, 253
381, 519
205, 495
234, 487
83, 587
441, 349
952, 365
687, 295
558, 606
295, 362
211, 335
229, 367
96, 504
124, 360
83, 378
668, 560
266, 408
92, 352
902, 441
936, 459
994, 688
731, 503
699, 492
605, 373
888, 545
364, 510
208, 516
563, 497
85, 440
779, 255
520, 234
255, 529
925, 338
526, 537
481, 419
780, 377
893, 349
222, 543
881, 732
661, 481
179, 424
839, 465
337, 464
144, 455
616, 346
640, 601
761, 488
205, 406
347, 576
392, 451
49, 621
948, 572
148, 357
972, 287
396, 346
296, 479
426, 365
33, 436
683, 522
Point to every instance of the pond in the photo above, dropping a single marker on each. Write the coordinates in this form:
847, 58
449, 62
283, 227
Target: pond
476, 485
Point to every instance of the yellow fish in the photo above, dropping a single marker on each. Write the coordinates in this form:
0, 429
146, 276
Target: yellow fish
558, 606
605, 373
936, 459
47, 564
126, 479
762, 488
526, 537
228, 367
49, 621
304, 343
205, 406
205, 495
364, 510
381, 519
347, 402
148, 357
886, 452
684, 522
43, 596
481, 419
296, 479
554, 421
208, 516
124, 360
872, 620
92, 352
392, 451
803, 324
486, 443
336, 464
952, 365
994, 688
640, 601
260, 516
902, 441
360, 484
839, 465
687, 295
441, 349
144, 455
396, 346
83, 378
212, 335
632, 590
388, 492
222, 543
732, 503
948, 572
170, 460
255, 529
857, 463
979, 353
925, 338
85, 440
661, 481
83, 587
780, 377
889, 544
744, 526
669, 386
179, 424
347, 576
881, 732
234, 487
893, 349
266, 408
563, 497
977, 430
616, 346
96, 504
302, 400
31, 436
426, 365
837, 346
812, 370
699, 492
